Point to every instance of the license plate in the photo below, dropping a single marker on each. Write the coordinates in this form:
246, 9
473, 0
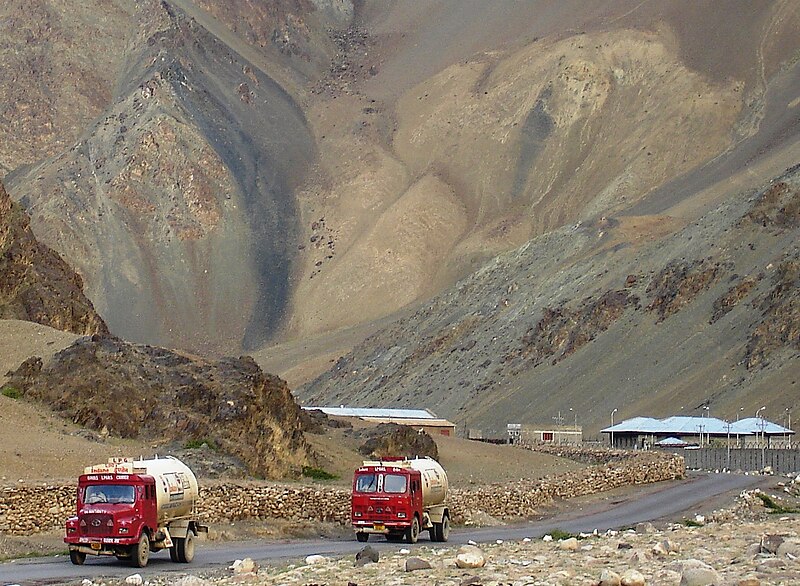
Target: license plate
378, 527
96, 545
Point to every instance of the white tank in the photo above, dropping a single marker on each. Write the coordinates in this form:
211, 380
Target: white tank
434, 480
176, 485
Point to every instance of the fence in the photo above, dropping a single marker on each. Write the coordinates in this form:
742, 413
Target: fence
747, 459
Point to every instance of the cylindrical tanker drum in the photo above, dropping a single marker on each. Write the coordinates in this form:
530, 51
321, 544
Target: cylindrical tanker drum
434, 480
176, 486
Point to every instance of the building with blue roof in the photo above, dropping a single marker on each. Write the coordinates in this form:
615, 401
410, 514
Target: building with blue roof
646, 432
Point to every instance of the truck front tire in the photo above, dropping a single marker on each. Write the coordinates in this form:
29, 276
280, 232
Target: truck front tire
77, 557
412, 533
184, 548
140, 553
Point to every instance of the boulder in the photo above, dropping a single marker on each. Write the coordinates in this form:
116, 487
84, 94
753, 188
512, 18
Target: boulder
632, 578
414, 563
470, 556
245, 566
697, 573
316, 559
367, 555
645, 528
789, 548
135, 579
609, 578
570, 544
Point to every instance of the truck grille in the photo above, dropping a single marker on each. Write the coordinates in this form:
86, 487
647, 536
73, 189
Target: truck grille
96, 524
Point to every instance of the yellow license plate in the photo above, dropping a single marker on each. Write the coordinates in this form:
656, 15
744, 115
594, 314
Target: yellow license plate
378, 527
95, 545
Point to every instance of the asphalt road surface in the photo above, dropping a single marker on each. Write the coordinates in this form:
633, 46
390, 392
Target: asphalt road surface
652, 502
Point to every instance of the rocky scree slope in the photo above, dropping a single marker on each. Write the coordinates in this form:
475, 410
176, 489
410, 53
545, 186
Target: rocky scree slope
601, 316
35, 282
158, 395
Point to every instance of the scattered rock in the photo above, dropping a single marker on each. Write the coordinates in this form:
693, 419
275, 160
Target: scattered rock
316, 559
135, 579
570, 544
632, 578
414, 563
645, 528
771, 543
469, 556
609, 578
790, 547
697, 573
367, 555
245, 566
190, 580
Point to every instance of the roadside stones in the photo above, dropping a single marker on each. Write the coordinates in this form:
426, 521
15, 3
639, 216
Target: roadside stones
316, 559
665, 547
632, 578
645, 528
749, 582
135, 579
470, 556
189, 580
367, 555
413, 563
609, 578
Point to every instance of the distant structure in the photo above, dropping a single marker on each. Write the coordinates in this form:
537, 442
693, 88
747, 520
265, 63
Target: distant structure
531, 434
416, 418
646, 432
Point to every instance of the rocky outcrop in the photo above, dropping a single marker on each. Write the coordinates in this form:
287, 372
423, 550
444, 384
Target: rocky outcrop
678, 284
35, 283
390, 440
151, 393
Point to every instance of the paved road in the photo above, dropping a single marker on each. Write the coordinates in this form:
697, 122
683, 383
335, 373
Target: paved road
650, 503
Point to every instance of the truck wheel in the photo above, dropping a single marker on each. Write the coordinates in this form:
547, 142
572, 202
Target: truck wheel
185, 548
140, 552
444, 529
173, 552
412, 533
362, 537
77, 557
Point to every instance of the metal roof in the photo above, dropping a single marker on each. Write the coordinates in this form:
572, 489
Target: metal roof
671, 441
681, 425
369, 413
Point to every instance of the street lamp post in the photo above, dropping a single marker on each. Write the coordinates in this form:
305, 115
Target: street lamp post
612, 426
763, 446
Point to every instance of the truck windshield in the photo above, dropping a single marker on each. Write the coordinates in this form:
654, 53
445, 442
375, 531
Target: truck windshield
395, 483
367, 483
109, 493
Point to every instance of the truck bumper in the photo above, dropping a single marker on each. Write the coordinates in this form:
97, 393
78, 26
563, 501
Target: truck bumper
100, 545
379, 528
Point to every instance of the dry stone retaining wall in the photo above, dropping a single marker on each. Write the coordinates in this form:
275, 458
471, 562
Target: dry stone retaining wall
30, 509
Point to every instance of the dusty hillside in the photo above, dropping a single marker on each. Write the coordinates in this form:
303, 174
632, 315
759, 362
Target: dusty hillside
153, 394
709, 316
35, 283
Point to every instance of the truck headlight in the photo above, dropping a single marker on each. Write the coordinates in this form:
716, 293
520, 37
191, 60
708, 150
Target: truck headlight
123, 530
401, 515
356, 513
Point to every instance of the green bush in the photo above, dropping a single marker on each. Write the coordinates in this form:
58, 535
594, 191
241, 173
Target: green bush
318, 474
774, 507
199, 443
692, 523
560, 534
11, 392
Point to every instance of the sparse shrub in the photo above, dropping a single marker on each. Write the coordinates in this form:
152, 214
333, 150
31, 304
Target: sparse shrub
199, 443
560, 535
774, 507
11, 392
318, 473
692, 523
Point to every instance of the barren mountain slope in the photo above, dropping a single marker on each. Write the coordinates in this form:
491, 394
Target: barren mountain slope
515, 119
260, 172
35, 283
601, 316
177, 203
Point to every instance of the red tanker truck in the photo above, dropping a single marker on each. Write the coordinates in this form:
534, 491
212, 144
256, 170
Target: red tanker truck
399, 498
130, 508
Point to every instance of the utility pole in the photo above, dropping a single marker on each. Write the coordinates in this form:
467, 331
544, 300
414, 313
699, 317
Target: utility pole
728, 423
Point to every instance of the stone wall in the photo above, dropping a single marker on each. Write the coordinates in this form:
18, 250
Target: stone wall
31, 509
